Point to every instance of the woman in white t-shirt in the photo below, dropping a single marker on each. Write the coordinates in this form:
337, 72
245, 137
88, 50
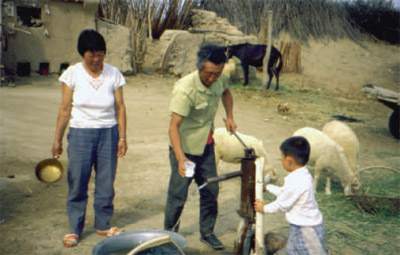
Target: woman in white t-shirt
93, 105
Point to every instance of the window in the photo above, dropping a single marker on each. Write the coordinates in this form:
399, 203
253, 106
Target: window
29, 16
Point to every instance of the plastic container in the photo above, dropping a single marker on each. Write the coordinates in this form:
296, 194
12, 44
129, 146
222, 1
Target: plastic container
190, 166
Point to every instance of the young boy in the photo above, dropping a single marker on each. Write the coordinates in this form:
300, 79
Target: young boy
296, 199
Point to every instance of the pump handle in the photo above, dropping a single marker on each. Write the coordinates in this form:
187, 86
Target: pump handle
237, 136
223, 177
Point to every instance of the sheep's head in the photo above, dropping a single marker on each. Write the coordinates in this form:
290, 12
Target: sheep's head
229, 68
271, 176
353, 187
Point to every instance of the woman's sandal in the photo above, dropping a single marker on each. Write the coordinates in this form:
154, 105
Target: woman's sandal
110, 232
70, 240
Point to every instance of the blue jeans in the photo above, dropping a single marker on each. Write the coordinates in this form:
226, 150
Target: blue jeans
178, 190
91, 148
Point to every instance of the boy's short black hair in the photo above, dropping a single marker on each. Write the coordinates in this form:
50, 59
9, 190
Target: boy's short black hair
90, 40
297, 147
210, 52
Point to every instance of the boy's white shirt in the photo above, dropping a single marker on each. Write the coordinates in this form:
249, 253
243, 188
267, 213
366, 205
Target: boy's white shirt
296, 199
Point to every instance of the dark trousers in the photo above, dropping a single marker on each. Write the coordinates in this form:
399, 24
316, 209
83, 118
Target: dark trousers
178, 191
91, 148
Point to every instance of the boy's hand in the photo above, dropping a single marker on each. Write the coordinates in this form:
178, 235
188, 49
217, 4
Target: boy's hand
259, 205
267, 179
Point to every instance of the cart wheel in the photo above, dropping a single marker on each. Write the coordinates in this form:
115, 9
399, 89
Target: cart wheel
394, 124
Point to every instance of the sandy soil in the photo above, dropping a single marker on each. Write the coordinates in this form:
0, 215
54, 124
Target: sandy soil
33, 214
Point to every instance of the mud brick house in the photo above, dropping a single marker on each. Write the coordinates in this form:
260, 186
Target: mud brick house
41, 35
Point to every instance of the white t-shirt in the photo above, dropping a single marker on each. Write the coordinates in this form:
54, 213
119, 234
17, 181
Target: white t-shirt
93, 98
296, 199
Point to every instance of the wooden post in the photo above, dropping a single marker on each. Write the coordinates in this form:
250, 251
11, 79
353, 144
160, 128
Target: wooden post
266, 57
1, 42
259, 240
149, 20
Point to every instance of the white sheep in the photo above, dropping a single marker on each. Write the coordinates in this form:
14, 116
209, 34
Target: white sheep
230, 68
327, 155
345, 137
229, 149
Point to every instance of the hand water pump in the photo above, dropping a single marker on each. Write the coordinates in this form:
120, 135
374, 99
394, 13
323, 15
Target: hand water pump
247, 195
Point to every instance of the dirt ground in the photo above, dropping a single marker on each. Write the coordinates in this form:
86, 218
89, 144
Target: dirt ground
33, 214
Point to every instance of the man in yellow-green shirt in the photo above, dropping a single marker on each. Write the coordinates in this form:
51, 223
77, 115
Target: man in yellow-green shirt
195, 100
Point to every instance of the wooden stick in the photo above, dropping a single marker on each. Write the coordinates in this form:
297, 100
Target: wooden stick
243, 229
192, 30
149, 20
151, 243
266, 57
21, 30
108, 20
259, 240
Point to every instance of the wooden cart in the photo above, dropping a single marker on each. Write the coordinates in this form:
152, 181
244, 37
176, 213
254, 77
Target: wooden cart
391, 99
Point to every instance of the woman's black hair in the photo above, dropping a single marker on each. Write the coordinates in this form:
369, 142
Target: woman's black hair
297, 147
212, 53
90, 40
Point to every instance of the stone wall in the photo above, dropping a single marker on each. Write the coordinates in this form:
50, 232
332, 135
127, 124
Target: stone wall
119, 51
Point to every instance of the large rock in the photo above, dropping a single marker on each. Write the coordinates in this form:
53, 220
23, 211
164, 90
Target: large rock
118, 47
175, 52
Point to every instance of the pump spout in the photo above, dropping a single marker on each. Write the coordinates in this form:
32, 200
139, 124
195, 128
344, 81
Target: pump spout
224, 177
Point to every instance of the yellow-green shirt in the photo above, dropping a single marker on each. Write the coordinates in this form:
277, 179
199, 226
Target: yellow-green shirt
198, 105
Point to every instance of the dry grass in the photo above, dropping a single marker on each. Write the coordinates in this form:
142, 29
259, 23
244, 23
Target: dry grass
301, 19
377, 18
313, 18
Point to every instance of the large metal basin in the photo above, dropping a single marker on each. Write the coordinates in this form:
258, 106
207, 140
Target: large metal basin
124, 242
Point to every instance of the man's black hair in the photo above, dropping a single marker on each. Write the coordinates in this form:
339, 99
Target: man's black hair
212, 53
297, 147
90, 40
